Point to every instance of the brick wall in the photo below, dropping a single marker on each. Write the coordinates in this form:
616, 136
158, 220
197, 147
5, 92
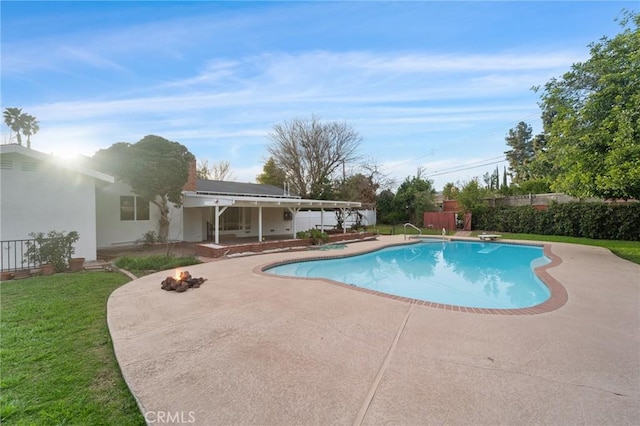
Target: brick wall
192, 179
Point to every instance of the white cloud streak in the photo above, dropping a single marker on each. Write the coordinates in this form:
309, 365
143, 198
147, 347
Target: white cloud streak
283, 79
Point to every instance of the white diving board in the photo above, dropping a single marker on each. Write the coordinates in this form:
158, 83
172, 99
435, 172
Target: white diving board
491, 237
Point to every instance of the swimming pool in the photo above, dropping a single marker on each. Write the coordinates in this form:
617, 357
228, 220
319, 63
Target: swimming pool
462, 273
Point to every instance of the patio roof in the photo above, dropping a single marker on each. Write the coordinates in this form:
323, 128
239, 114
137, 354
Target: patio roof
220, 187
198, 199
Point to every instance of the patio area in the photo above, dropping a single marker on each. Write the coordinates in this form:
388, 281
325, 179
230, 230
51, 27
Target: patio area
246, 348
179, 248
231, 245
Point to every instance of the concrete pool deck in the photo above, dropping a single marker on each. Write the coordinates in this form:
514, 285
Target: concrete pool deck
245, 348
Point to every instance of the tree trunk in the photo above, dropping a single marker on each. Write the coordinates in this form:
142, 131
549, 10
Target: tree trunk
163, 228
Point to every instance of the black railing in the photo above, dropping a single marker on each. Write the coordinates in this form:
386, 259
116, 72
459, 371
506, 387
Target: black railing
14, 255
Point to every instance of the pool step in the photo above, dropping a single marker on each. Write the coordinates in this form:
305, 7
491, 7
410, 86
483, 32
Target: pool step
491, 248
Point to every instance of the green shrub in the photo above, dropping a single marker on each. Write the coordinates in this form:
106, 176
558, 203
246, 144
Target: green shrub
394, 218
315, 234
318, 236
154, 263
303, 235
150, 238
54, 247
587, 220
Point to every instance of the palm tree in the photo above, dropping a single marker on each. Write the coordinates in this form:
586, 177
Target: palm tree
13, 119
21, 123
30, 126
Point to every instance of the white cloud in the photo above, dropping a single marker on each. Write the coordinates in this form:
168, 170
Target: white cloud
308, 81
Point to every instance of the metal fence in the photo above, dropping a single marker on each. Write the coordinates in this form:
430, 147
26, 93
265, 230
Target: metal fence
14, 255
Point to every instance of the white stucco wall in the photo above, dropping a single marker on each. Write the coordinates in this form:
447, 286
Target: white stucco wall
111, 231
194, 225
45, 197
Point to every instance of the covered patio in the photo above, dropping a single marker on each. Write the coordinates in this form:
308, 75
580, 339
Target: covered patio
276, 213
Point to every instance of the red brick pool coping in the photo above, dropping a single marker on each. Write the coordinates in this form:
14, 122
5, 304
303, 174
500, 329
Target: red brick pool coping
558, 298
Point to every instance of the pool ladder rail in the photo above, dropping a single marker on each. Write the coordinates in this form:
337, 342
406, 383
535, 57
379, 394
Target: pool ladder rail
414, 227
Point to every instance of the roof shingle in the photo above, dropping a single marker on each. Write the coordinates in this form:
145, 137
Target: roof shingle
220, 187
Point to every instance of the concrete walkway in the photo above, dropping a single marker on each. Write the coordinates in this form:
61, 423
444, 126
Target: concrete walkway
245, 349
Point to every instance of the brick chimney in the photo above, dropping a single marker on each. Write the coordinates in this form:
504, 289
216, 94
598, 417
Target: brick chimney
190, 185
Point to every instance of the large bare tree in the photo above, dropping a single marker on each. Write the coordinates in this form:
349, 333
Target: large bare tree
310, 151
220, 170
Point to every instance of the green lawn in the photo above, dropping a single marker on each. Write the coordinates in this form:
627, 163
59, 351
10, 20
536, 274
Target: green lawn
56, 354
629, 250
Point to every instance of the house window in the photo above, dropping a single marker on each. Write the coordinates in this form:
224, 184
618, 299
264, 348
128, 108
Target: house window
133, 208
230, 220
235, 219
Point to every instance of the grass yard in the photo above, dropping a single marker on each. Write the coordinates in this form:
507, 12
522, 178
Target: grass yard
629, 250
58, 365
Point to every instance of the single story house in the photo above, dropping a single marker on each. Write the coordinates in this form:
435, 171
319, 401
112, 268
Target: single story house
41, 193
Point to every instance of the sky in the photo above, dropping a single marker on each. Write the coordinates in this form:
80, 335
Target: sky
434, 85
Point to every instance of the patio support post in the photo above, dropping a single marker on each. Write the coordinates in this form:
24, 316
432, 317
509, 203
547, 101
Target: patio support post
219, 212
216, 226
293, 211
260, 223
321, 220
344, 220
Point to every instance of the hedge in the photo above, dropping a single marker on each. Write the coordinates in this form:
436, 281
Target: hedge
590, 220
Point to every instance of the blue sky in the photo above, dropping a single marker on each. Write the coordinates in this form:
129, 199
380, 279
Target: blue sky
426, 84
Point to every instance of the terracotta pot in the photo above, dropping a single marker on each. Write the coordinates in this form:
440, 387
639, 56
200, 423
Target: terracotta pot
47, 269
76, 264
6, 276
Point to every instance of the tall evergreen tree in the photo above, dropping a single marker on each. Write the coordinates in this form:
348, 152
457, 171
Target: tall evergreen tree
272, 174
504, 179
521, 153
593, 115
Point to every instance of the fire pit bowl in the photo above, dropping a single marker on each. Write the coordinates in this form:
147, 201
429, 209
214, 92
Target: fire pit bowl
182, 282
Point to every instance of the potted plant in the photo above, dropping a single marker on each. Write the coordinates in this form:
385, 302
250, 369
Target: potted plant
76, 264
47, 269
53, 248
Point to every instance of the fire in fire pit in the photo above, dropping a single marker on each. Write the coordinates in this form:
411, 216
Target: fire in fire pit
183, 282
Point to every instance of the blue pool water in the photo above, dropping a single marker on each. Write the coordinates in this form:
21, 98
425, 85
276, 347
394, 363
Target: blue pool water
470, 274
